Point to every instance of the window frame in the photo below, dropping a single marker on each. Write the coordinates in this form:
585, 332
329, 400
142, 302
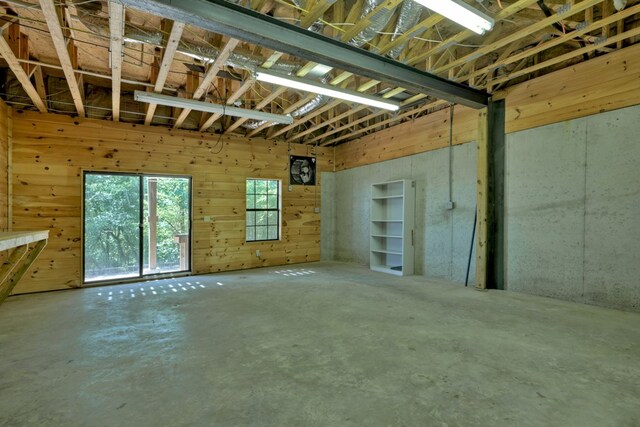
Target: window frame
254, 210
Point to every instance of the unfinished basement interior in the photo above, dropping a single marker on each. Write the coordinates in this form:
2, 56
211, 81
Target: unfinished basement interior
320, 212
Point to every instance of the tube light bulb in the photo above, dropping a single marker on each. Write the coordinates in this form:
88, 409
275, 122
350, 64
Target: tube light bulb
334, 92
460, 12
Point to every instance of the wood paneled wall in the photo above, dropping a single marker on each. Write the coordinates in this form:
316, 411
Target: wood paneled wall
51, 151
4, 166
601, 84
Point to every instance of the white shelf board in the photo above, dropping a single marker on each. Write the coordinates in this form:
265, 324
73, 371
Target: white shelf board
386, 236
399, 196
386, 220
382, 251
386, 269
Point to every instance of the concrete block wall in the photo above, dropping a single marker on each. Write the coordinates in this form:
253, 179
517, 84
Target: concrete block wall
572, 210
442, 237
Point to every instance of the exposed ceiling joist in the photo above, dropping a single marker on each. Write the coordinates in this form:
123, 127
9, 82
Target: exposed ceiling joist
316, 11
212, 72
167, 58
238, 22
60, 43
233, 98
573, 9
266, 101
465, 34
21, 75
116, 26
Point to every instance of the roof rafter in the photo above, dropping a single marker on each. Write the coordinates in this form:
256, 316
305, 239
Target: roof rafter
246, 85
163, 72
116, 28
212, 72
53, 22
21, 75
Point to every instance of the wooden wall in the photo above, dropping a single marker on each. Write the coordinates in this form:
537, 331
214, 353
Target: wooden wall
601, 84
50, 152
4, 166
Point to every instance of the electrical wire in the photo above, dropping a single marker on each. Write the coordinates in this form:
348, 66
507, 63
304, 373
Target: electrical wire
222, 130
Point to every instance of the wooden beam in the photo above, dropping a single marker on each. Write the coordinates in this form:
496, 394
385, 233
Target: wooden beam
217, 65
266, 101
116, 28
482, 199
167, 59
60, 43
345, 37
418, 28
556, 41
288, 110
21, 75
19, 43
38, 77
510, 38
385, 122
246, 85
618, 37
316, 11
463, 35
212, 72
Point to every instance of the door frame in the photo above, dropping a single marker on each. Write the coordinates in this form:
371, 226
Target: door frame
141, 276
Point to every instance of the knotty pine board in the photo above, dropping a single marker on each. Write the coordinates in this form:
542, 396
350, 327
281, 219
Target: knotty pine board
51, 151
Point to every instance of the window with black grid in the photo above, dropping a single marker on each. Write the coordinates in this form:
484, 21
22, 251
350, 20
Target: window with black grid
263, 209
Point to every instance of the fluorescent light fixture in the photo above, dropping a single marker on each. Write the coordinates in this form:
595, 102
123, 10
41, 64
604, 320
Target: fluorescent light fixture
334, 92
460, 12
207, 107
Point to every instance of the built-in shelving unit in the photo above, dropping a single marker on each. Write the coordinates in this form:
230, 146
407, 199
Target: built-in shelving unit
392, 212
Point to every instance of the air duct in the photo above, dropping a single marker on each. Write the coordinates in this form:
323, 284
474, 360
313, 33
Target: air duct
408, 17
378, 22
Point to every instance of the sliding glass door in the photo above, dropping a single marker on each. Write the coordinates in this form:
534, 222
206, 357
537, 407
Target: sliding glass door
135, 225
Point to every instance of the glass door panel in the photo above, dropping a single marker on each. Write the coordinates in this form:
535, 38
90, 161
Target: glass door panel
111, 226
166, 224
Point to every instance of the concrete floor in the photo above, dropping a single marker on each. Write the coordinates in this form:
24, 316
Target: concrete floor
334, 345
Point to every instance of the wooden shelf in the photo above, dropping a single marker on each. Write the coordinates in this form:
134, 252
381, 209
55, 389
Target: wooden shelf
13, 239
20, 258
